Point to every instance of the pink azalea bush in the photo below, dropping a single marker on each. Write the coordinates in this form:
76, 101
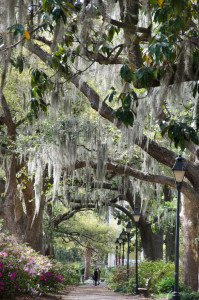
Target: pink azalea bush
22, 270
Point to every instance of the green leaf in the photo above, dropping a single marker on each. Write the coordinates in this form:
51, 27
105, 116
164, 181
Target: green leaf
127, 102
144, 76
133, 93
111, 96
125, 116
19, 29
20, 64
126, 73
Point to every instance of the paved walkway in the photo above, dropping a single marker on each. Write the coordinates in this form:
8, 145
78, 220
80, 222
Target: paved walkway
100, 292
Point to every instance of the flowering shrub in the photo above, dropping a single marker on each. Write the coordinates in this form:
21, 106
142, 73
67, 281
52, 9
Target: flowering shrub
117, 277
22, 270
51, 280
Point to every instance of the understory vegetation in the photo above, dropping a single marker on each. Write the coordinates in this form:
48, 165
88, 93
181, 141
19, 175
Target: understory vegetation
24, 271
157, 275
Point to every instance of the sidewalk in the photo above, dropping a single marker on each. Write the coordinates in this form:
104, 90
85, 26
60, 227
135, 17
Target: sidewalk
100, 292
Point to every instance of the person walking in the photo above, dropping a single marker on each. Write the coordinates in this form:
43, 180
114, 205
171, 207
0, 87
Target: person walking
98, 277
82, 274
95, 276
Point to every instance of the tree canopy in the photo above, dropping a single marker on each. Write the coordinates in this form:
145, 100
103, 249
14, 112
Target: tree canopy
136, 64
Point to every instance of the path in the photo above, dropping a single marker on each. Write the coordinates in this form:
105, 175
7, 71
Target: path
100, 292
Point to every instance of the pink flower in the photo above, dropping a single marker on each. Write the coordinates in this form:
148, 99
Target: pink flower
32, 271
2, 288
1, 282
13, 275
5, 254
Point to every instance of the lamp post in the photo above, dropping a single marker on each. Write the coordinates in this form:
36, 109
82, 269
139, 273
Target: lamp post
117, 243
128, 230
120, 242
123, 234
136, 217
179, 172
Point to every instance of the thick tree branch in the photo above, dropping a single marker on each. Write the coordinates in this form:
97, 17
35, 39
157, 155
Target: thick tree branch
161, 154
146, 31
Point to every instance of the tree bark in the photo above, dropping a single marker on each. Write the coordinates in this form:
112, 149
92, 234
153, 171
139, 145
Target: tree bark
9, 211
170, 243
190, 232
87, 261
152, 242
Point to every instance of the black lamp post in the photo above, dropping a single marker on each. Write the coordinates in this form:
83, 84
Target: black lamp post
117, 243
120, 242
136, 217
128, 230
178, 171
123, 234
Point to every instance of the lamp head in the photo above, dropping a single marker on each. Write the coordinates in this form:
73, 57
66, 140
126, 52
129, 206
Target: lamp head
128, 227
120, 239
136, 215
179, 169
123, 234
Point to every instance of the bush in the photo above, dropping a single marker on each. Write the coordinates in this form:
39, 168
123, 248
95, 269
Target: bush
70, 272
116, 278
166, 285
188, 296
157, 271
23, 271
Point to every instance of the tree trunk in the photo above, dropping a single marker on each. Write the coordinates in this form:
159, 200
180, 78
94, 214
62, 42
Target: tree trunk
49, 247
190, 232
152, 243
170, 243
9, 213
87, 260
33, 234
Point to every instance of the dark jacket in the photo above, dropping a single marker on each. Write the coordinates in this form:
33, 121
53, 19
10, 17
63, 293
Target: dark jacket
95, 275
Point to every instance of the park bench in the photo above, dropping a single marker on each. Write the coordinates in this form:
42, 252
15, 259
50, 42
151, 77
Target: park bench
145, 290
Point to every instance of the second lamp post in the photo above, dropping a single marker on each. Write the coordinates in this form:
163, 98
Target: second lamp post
136, 217
120, 242
123, 235
128, 230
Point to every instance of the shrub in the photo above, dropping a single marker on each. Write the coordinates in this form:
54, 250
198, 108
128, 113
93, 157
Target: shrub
157, 271
188, 296
23, 271
166, 285
116, 278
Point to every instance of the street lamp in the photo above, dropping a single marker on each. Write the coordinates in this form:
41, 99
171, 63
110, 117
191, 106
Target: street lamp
120, 242
117, 243
136, 217
123, 234
128, 230
178, 172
